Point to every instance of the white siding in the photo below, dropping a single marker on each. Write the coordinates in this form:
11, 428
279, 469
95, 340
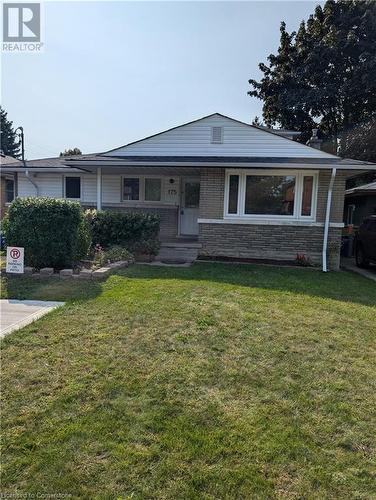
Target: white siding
88, 188
50, 185
111, 188
195, 139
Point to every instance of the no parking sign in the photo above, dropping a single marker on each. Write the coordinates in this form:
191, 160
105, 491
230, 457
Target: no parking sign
15, 260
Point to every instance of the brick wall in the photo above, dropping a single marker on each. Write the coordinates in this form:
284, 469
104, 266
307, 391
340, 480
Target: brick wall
258, 241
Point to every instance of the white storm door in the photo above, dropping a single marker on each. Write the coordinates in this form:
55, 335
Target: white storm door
190, 206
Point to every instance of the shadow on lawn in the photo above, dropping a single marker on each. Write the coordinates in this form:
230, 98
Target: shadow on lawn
342, 286
49, 288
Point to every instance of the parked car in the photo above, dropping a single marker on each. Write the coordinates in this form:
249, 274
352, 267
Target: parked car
365, 242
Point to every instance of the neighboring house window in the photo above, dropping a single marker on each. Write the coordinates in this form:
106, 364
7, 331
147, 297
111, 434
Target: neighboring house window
153, 189
350, 214
73, 187
9, 189
131, 188
270, 194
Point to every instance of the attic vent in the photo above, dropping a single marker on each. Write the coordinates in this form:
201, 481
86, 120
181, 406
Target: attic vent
217, 135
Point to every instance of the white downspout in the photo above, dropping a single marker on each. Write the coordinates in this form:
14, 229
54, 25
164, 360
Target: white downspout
32, 182
99, 188
327, 221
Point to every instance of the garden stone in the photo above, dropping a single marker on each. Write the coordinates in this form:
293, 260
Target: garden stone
47, 271
66, 273
101, 272
28, 270
119, 264
85, 273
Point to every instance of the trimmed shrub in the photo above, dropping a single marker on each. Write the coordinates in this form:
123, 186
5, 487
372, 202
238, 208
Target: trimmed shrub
135, 231
53, 232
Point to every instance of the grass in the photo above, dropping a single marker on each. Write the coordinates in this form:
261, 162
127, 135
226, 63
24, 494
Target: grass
213, 382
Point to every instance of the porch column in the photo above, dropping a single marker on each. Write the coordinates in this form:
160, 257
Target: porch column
99, 188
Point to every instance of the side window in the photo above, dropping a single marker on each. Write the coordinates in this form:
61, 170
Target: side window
9, 189
73, 187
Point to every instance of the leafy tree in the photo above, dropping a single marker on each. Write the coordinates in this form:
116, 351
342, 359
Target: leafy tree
324, 75
360, 142
71, 152
9, 141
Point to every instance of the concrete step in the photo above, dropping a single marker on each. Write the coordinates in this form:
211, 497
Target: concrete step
177, 254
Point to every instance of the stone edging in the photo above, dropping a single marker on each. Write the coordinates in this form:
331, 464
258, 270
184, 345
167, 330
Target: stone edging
46, 272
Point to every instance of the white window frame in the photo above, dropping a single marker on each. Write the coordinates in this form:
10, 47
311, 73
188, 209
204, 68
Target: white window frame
141, 179
299, 176
65, 186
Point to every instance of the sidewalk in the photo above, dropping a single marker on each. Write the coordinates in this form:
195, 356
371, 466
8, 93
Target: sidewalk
16, 314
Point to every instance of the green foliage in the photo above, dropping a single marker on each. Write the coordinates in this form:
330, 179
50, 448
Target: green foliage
71, 152
138, 232
323, 75
53, 232
113, 254
9, 144
360, 142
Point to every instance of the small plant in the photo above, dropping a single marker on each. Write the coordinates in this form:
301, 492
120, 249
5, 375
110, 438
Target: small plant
113, 254
302, 260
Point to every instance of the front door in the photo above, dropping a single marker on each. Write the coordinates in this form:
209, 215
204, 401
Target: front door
189, 206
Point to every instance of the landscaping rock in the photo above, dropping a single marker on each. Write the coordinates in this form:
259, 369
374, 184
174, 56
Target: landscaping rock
66, 273
28, 270
85, 273
101, 272
46, 271
119, 264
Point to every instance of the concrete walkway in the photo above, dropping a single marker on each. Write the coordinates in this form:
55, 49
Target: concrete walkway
349, 265
15, 314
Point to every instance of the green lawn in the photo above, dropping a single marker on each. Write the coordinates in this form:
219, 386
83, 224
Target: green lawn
210, 382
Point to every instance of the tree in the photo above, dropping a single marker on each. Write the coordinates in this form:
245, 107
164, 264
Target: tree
324, 75
360, 142
71, 152
10, 144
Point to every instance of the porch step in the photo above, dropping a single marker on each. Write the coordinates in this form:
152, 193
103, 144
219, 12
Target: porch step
178, 252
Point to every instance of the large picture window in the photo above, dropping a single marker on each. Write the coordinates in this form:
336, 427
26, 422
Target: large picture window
153, 189
270, 194
142, 188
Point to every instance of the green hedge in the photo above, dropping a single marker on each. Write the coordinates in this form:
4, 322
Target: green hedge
53, 232
136, 231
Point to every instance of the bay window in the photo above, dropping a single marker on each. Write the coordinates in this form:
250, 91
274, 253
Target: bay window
270, 194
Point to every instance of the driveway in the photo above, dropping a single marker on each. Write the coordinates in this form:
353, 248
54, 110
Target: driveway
349, 265
16, 314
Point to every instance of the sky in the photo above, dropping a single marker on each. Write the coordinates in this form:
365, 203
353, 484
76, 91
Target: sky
114, 72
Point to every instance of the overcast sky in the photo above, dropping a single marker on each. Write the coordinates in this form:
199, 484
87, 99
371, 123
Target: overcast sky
113, 72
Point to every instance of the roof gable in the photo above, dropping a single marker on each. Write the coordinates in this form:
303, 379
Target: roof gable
239, 139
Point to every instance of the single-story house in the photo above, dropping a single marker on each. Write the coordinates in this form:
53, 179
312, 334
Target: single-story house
360, 202
238, 190
7, 182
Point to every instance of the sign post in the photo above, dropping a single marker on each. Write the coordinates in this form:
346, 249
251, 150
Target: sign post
15, 260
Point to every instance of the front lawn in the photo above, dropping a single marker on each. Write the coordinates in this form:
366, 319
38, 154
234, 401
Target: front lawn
214, 382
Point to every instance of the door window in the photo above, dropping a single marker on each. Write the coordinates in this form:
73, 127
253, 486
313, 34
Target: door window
192, 194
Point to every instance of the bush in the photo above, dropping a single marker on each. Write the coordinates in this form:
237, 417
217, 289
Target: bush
113, 254
135, 231
53, 232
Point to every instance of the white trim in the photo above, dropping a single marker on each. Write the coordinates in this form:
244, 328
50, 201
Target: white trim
99, 188
327, 221
299, 177
269, 222
64, 186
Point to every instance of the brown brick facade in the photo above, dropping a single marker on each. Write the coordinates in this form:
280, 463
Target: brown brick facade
259, 241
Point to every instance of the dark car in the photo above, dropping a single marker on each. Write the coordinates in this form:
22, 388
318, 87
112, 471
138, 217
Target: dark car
365, 242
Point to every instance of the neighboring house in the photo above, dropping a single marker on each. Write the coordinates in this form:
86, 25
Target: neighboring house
240, 191
360, 202
8, 182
